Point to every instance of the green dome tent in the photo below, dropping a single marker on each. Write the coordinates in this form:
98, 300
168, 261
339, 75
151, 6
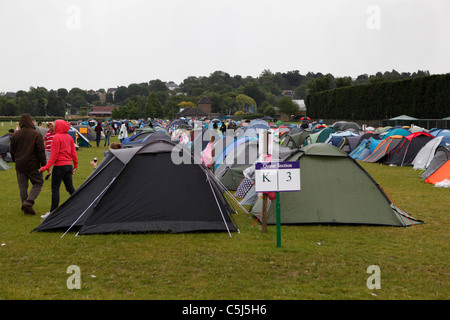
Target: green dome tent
335, 189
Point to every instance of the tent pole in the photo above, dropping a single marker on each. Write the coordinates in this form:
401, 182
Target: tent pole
218, 205
265, 195
101, 194
213, 153
230, 194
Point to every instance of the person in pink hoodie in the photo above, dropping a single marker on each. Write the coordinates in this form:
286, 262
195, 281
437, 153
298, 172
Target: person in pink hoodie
61, 158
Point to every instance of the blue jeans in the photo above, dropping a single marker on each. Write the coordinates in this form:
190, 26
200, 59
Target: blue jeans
99, 137
107, 140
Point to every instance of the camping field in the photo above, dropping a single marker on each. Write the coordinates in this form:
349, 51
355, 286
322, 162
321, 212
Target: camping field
317, 262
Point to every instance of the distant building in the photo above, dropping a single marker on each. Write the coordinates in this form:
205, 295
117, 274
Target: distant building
301, 105
8, 94
288, 93
104, 112
205, 104
112, 91
192, 113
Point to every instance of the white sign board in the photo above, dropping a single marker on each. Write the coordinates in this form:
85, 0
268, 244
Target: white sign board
277, 176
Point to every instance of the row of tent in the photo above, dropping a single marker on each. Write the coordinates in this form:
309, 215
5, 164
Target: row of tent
353, 197
394, 146
140, 188
424, 151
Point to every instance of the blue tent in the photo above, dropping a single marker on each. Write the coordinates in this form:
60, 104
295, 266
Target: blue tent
445, 133
336, 138
259, 124
362, 151
373, 144
397, 132
230, 148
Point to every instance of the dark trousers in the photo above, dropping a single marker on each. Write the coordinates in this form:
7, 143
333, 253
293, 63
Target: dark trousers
99, 138
37, 181
61, 174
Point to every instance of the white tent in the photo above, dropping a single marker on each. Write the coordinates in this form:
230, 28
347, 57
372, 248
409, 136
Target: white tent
403, 117
426, 154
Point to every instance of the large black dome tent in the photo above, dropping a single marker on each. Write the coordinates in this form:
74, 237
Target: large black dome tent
125, 195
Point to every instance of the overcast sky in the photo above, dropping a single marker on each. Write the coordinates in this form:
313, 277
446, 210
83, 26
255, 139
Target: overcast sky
93, 44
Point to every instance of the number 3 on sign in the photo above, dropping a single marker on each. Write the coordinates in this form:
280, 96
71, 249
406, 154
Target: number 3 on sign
289, 180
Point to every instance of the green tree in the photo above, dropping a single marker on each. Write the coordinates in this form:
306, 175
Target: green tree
253, 90
287, 106
300, 91
134, 89
39, 106
171, 107
244, 102
121, 95
109, 98
228, 103
321, 83
38, 93
9, 107
56, 106
63, 93
153, 108
188, 83
78, 100
266, 79
157, 86
270, 111
217, 81
25, 105
343, 82
293, 79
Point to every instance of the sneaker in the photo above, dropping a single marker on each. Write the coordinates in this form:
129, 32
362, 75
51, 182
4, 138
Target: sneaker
45, 215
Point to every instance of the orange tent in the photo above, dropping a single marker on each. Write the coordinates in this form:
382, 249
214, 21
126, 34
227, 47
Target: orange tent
440, 174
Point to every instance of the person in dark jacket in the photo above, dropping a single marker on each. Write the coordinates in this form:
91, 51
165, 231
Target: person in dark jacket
98, 130
28, 152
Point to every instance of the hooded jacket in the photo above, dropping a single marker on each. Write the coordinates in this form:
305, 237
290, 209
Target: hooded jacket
63, 147
27, 146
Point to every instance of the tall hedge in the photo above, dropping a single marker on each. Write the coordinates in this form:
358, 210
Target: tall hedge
423, 98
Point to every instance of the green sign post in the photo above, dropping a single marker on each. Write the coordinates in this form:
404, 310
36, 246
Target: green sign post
278, 220
277, 177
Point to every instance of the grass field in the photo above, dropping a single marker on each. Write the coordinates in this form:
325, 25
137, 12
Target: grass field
314, 262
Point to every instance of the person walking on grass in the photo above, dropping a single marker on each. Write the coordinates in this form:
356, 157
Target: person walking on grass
108, 132
28, 152
62, 157
98, 130
49, 138
123, 133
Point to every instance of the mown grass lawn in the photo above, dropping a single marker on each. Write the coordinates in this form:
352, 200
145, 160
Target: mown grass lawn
314, 262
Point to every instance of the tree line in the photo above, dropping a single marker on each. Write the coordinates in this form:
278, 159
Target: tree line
228, 94
423, 97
